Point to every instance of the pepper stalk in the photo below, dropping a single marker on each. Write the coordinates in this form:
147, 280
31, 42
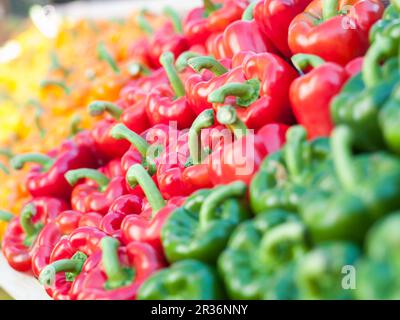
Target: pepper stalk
73, 176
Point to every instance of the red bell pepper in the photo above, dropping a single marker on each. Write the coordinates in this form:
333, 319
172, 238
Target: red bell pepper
240, 159
47, 179
246, 35
66, 222
215, 46
224, 13
145, 151
201, 84
22, 231
169, 38
121, 271
167, 103
120, 208
146, 226
263, 98
312, 93
91, 219
274, 18
182, 169
67, 260
108, 147
97, 196
325, 24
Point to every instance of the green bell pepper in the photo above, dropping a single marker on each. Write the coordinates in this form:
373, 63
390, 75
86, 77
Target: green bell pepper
368, 187
378, 275
184, 280
359, 108
391, 16
320, 273
389, 121
201, 228
285, 175
258, 250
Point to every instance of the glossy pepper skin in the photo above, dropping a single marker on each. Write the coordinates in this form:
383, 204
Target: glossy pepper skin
171, 283
196, 26
167, 103
260, 239
359, 103
123, 206
200, 229
47, 179
264, 96
284, 176
98, 193
225, 13
311, 93
183, 166
320, 274
121, 271
146, 226
19, 239
324, 24
240, 159
366, 188
169, 38
245, 35
67, 260
274, 18
66, 222
210, 74
389, 19
107, 146
377, 278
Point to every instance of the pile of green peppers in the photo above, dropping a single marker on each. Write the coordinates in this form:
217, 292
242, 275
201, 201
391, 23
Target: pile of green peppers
321, 218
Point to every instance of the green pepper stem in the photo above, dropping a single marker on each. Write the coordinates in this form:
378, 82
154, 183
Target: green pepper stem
210, 7
248, 13
208, 211
97, 108
56, 83
167, 61
120, 131
38, 115
105, 55
27, 213
293, 150
144, 24
73, 176
117, 275
6, 216
329, 9
74, 125
227, 116
283, 243
200, 63
182, 62
371, 70
18, 161
73, 266
343, 158
203, 120
4, 168
175, 18
136, 69
245, 93
6, 152
301, 61
137, 174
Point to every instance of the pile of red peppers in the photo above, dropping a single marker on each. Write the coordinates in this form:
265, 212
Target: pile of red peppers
218, 90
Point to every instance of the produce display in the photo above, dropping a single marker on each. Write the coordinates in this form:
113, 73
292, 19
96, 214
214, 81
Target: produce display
246, 150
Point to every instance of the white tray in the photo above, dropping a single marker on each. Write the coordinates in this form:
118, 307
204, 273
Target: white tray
18, 285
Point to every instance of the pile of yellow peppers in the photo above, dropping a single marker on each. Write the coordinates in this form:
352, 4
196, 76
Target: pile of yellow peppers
45, 89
